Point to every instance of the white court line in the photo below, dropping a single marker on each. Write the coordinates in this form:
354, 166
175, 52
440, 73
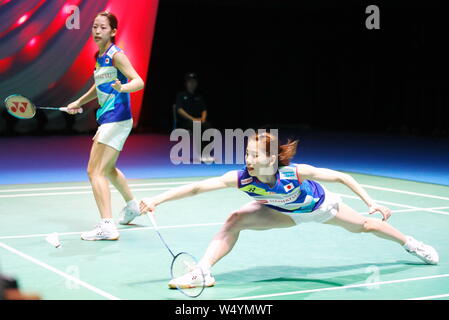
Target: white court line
69, 193
62, 274
405, 192
190, 181
89, 187
40, 235
162, 189
430, 297
341, 287
395, 204
411, 210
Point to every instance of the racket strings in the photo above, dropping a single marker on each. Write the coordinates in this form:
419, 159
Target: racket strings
189, 276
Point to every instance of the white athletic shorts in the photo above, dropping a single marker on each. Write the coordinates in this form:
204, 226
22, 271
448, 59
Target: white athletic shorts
114, 134
326, 211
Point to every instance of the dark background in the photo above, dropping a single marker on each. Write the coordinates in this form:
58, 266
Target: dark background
308, 64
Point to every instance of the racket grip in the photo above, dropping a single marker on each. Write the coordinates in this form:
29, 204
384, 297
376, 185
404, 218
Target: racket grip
153, 220
80, 110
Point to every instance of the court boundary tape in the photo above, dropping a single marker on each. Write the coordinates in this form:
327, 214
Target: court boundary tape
59, 272
393, 203
185, 225
38, 235
164, 189
89, 187
430, 297
341, 287
107, 295
190, 181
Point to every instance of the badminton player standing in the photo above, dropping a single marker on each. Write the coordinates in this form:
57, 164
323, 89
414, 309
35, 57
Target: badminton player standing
112, 72
288, 196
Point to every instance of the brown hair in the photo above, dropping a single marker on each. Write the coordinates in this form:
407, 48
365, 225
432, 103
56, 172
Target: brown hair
285, 152
113, 22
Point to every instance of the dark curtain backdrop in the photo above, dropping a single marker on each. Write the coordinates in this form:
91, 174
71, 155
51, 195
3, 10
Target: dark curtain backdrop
304, 63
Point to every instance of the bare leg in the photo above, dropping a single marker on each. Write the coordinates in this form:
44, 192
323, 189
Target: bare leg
353, 221
101, 162
118, 180
252, 216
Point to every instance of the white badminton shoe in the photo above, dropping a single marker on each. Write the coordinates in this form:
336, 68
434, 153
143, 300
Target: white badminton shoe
423, 251
129, 212
102, 231
192, 279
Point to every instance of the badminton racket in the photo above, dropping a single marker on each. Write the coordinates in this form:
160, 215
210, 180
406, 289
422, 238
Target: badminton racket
23, 108
183, 263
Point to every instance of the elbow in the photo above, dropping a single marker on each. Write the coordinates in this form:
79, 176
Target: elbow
137, 84
141, 84
344, 178
195, 189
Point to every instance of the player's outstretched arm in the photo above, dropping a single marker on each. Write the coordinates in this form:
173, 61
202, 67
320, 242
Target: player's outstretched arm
90, 95
228, 180
327, 175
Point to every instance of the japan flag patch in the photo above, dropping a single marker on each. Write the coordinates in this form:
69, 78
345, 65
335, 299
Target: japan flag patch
288, 187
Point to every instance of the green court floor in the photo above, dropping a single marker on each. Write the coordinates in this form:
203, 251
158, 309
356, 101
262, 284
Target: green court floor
311, 261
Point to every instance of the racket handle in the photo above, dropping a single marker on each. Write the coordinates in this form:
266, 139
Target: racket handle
64, 109
153, 220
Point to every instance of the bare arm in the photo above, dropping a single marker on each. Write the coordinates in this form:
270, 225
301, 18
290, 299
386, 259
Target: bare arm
184, 114
90, 95
122, 63
204, 116
327, 175
228, 180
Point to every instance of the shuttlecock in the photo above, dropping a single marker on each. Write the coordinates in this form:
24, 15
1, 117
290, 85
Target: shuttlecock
53, 239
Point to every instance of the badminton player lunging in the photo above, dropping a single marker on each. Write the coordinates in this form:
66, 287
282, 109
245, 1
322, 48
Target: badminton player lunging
112, 72
288, 196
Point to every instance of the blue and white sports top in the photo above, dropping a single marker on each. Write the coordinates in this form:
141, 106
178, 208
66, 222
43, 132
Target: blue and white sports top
289, 194
114, 106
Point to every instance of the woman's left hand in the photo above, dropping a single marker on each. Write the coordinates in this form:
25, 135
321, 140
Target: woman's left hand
117, 85
386, 212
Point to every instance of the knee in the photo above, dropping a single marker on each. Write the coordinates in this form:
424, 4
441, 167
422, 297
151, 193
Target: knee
371, 225
110, 172
91, 171
234, 222
96, 171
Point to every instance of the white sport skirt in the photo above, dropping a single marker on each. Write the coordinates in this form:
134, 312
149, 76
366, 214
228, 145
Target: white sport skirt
326, 211
114, 134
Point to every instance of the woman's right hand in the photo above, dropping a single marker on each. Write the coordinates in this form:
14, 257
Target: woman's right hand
147, 205
73, 107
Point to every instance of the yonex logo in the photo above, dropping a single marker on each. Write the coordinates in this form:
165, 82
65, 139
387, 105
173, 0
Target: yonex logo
19, 106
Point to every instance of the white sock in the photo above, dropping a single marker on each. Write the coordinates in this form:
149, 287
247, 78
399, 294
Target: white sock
108, 222
132, 203
205, 267
409, 244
